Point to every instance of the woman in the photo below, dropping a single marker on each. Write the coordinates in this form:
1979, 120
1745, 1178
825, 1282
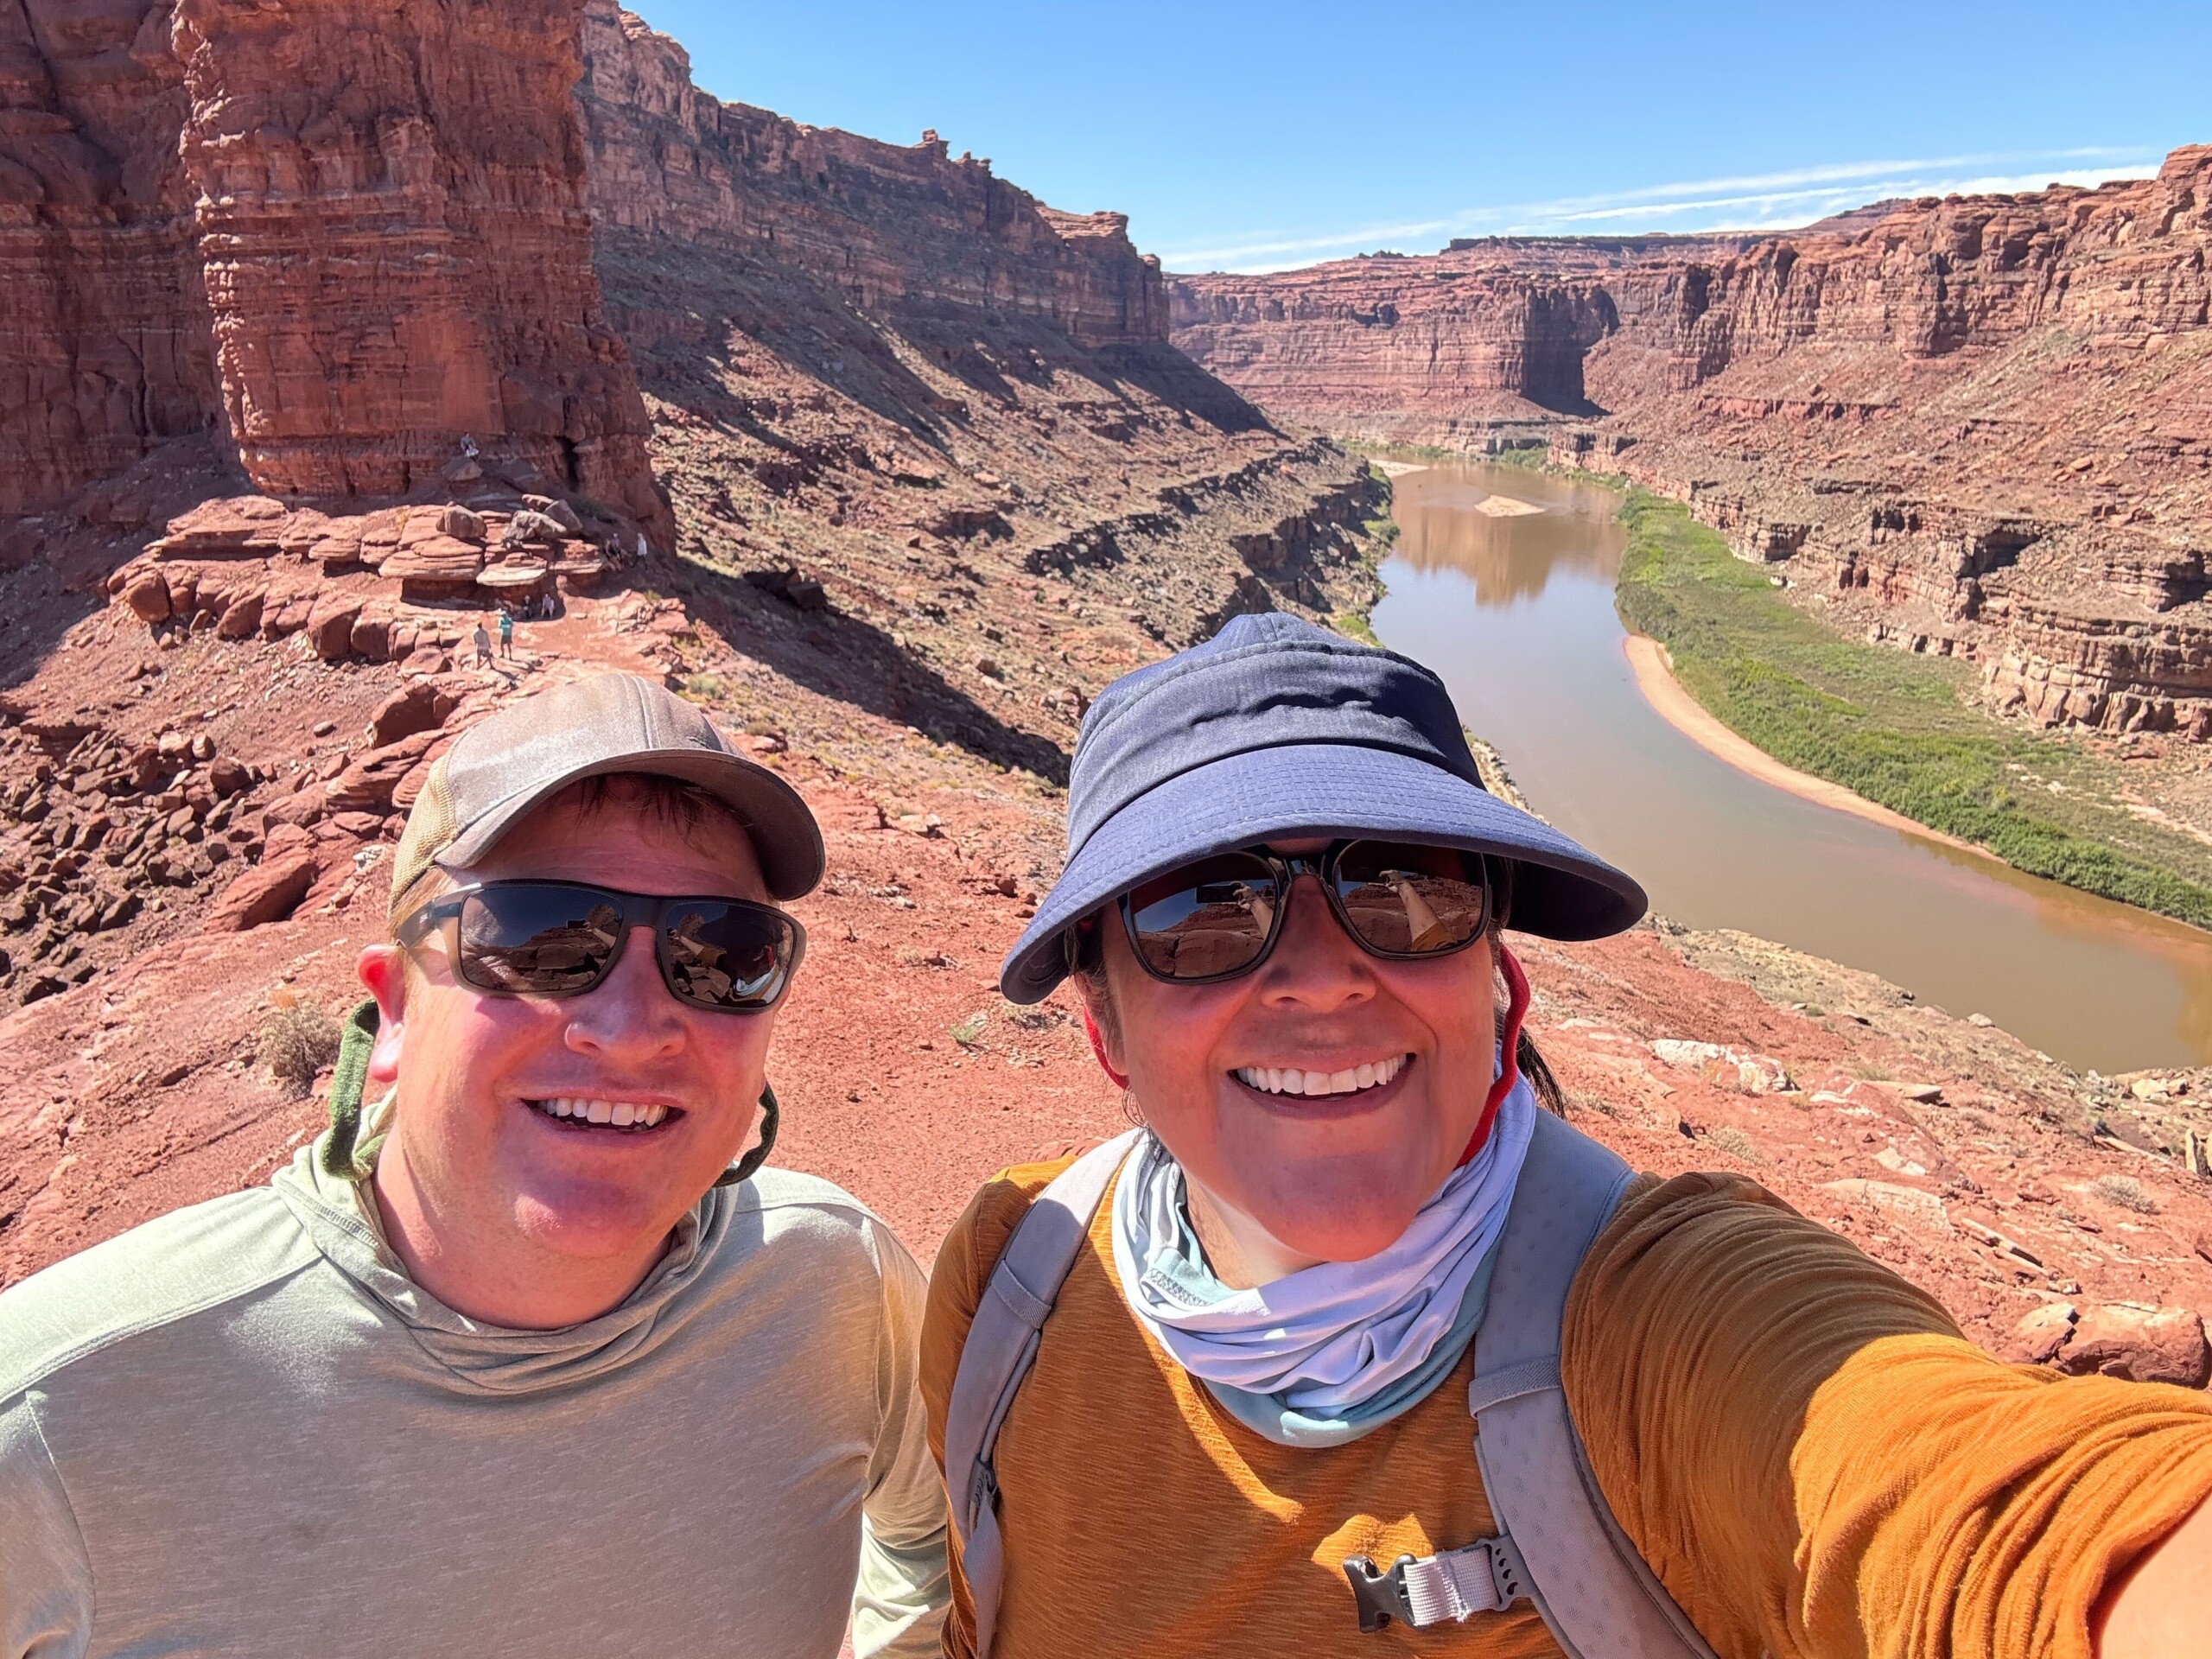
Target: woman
1208, 1392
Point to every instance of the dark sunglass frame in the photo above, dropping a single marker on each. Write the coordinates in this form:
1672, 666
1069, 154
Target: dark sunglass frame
1286, 869
443, 914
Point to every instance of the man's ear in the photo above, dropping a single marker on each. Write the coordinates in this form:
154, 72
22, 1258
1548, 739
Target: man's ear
382, 969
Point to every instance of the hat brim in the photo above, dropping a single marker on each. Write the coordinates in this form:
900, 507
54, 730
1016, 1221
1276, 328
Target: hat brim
1561, 890
786, 840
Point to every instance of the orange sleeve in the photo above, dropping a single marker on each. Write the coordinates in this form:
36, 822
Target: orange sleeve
963, 1264
1817, 1464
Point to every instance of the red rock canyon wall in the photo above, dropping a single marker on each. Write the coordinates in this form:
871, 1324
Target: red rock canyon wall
1980, 426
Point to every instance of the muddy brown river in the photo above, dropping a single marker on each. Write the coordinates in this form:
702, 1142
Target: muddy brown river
1515, 612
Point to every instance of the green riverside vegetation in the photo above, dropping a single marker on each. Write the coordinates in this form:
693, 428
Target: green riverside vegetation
1894, 728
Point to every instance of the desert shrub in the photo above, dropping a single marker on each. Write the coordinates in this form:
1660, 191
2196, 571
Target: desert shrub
2125, 1193
295, 1043
1737, 1144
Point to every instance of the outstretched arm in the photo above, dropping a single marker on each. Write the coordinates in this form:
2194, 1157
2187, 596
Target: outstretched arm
1819, 1467
2162, 1609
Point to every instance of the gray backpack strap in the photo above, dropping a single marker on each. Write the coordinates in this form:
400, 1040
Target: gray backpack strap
1000, 1347
1595, 1593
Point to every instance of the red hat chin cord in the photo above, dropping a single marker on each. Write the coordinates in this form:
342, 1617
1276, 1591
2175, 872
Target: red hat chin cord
1509, 1040
1508, 1066
1098, 1050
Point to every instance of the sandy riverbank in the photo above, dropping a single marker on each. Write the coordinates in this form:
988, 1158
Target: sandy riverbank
1655, 677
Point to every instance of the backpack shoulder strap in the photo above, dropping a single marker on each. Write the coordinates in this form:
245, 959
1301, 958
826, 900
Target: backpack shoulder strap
1595, 1593
1001, 1346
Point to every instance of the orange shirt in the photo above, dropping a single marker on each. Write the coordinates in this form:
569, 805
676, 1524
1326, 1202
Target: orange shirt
1801, 1444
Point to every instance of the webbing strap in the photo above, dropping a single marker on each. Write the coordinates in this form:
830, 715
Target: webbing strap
1532, 1377
1597, 1595
1001, 1346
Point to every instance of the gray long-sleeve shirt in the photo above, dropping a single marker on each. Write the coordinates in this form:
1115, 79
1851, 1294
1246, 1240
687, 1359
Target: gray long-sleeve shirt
242, 1429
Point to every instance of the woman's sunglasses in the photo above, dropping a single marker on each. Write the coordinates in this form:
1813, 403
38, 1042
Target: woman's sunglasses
562, 938
1220, 917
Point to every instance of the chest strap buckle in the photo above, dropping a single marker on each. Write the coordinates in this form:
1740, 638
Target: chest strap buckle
1484, 1577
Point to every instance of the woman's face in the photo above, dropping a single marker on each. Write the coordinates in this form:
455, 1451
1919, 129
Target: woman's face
1331, 1177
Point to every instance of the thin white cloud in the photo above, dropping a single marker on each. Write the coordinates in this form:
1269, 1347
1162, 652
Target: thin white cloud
1753, 201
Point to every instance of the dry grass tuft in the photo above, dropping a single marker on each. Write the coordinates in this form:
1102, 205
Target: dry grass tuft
295, 1043
2126, 1192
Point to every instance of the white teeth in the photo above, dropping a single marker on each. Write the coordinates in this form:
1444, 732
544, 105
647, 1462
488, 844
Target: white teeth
621, 1114
1292, 1080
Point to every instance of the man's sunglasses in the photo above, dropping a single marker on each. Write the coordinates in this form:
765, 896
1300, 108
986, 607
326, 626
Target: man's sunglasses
1220, 917
562, 938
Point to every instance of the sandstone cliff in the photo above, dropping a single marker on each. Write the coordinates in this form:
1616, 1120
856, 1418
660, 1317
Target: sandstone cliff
343, 240
1980, 426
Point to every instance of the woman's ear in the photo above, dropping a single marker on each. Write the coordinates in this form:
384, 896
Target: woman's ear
383, 970
1103, 1030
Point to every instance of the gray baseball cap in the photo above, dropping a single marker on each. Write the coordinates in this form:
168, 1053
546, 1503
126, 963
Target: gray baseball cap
501, 767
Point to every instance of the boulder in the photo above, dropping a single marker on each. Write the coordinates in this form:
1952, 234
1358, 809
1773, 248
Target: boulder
367, 783
148, 596
268, 892
461, 524
372, 638
2141, 1343
227, 776
302, 807
557, 510
286, 616
2037, 1338
436, 564
511, 577
527, 526
339, 544
330, 625
421, 707
241, 618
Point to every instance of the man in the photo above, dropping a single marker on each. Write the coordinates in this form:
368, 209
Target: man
512, 1361
507, 632
1353, 1350
482, 640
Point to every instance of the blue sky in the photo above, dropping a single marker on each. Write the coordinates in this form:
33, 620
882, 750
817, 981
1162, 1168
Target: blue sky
1249, 136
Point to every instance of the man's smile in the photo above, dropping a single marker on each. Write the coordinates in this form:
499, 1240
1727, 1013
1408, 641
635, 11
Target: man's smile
592, 1112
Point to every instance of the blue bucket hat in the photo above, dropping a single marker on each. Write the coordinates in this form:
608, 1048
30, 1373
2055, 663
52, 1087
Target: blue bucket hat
1276, 729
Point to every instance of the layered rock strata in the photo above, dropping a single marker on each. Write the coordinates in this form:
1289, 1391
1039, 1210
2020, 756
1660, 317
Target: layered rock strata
357, 245
1979, 426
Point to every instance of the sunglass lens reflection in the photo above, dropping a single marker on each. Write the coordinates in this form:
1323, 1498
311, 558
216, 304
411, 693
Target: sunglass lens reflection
723, 956
541, 941
1408, 900
1209, 919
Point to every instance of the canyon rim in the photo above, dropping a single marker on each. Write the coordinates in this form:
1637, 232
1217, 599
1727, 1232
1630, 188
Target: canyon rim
335, 329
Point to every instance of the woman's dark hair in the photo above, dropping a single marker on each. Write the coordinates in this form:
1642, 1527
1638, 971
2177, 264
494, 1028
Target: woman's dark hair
1087, 961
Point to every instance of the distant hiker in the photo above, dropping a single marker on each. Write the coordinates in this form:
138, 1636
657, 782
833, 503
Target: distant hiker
507, 632
483, 642
1356, 1349
512, 1358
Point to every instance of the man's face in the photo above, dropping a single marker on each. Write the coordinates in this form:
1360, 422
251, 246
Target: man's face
1334, 1177
475, 1073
